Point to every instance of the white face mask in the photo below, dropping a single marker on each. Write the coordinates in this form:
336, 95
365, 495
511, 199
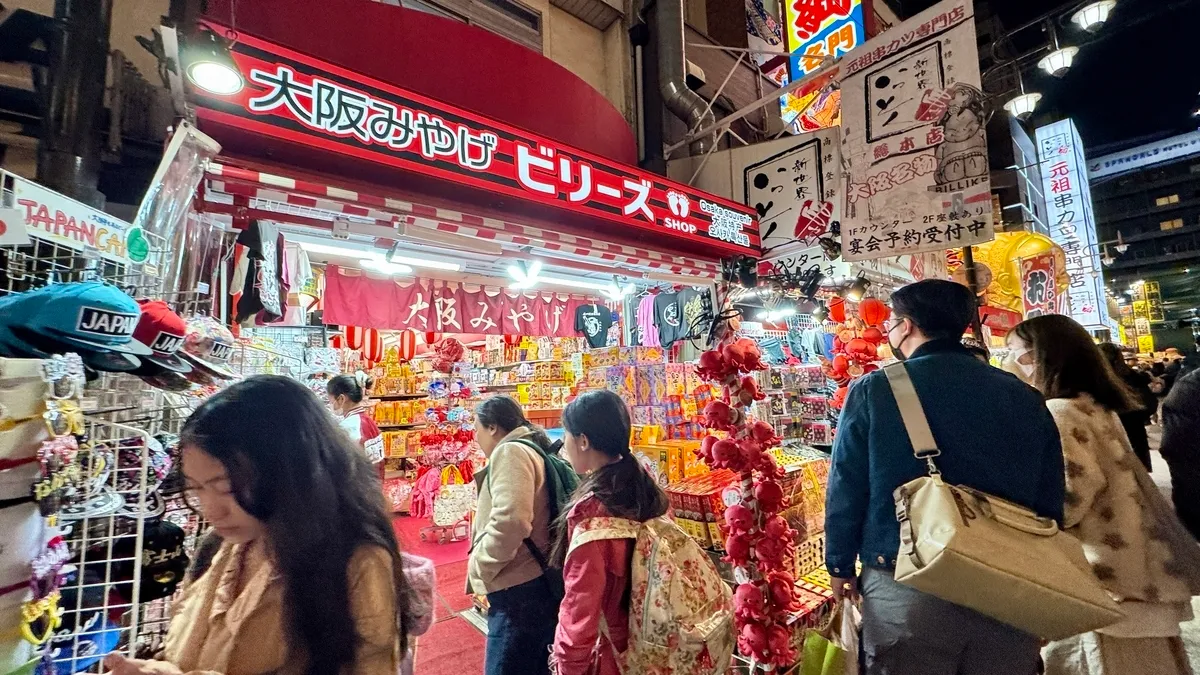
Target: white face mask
1012, 363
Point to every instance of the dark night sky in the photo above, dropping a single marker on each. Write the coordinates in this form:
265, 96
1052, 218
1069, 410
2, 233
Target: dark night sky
1139, 76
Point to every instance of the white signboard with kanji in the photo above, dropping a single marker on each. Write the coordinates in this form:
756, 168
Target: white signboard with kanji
1069, 214
913, 118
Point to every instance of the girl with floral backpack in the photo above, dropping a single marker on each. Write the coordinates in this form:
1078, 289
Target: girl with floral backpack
641, 597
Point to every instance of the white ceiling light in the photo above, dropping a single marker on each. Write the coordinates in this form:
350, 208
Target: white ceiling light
339, 251
384, 267
524, 275
1092, 17
364, 252
617, 291
1058, 62
394, 256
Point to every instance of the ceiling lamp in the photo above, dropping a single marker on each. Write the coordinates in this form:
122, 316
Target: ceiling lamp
524, 275
857, 289
1092, 17
1058, 62
821, 312
395, 255
1021, 107
383, 266
617, 291
209, 65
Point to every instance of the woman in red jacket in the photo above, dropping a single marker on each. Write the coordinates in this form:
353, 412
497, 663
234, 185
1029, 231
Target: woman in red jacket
593, 619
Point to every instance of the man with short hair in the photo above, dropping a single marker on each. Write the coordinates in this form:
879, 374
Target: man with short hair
994, 433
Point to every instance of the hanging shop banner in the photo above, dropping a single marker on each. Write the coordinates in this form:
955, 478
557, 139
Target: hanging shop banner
1072, 225
1149, 154
913, 121
61, 220
793, 188
820, 28
303, 100
355, 299
1038, 291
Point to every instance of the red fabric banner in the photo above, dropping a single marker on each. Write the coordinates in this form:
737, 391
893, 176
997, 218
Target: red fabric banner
355, 299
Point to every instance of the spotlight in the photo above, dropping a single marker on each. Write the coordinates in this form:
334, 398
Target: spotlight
1092, 17
857, 289
209, 65
821, 312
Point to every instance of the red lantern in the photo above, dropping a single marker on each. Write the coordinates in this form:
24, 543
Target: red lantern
337, 342
407, 347
431, 337
873, 312
512, 340
837, 310
354, 337
372, 349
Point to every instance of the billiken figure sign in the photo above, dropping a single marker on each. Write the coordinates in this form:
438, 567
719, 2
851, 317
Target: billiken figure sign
300, 99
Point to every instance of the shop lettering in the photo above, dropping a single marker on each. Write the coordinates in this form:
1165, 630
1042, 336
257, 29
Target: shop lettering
937, 24
59, 223
104, 322
680, 225
167, 343
727, 225
221, 351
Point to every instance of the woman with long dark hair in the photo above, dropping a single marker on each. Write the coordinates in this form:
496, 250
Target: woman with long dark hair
593, 619
1111, 506
346, 395
1134, 421
308, 578
511, 539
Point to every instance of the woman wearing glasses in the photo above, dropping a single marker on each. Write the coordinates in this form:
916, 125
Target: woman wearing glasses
308, 579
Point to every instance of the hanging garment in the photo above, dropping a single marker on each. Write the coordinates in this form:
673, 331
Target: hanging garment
645, 321
594, 321
668, 318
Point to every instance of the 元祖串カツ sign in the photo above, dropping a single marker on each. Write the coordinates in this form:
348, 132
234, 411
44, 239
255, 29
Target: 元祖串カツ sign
301, 99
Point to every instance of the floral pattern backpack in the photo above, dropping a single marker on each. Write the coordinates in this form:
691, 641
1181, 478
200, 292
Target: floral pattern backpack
680, 610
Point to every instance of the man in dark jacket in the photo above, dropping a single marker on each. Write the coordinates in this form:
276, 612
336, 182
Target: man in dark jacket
995, 434
1181, 448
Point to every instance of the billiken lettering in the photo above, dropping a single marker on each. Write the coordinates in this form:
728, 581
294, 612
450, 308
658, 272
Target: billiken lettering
104, 322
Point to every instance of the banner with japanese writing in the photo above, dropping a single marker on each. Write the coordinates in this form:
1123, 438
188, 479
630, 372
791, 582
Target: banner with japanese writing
1038, 293
355, 299
913, 118
1072, 225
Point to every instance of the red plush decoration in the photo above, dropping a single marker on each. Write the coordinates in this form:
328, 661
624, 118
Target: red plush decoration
745, 392
744, 354
769, 495
841, 364
837, 310
713, 366
706, 449
737, 549
779, 591
873, 335
779, 641
777, 527
739, 518
839, 397
857, 346
753, 639
770, 554
873, 312
725, 454
719, 415
762, 432
749, 603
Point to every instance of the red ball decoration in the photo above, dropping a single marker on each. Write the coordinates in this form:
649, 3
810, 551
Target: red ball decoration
873, 312
337, 342
372, 349
837, 310
407, 345
431, 337
873, 335
512, 340
857, 346
355, 337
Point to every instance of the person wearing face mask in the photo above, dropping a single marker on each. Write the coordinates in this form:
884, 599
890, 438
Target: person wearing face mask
994, 434
1137, 547
346, 394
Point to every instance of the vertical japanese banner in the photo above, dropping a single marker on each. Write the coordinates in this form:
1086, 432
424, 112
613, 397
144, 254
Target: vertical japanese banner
1072, 225
1038, 292
519, 317
412, 306
796, 193
483, 309
448, 300
913, 119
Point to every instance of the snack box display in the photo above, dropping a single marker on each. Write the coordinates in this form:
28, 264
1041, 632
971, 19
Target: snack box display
702, 505
605, 356
648, 356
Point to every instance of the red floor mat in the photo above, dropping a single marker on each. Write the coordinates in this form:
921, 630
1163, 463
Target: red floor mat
408, 530
452, 647
451, 586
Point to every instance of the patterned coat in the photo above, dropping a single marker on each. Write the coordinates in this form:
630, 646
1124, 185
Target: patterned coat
1107, 510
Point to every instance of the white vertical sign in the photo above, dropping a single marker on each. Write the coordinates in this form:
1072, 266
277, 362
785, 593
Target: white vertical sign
913, 118
1072, 225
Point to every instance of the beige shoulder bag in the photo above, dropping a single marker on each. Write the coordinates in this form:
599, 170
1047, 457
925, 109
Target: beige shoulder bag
982, 552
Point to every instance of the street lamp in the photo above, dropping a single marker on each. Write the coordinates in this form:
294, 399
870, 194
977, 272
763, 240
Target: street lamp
1058, 61
1092, 17
209, 65
1022, 105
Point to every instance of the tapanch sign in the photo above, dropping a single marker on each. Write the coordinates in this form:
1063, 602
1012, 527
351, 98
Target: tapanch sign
301, 99
66, 222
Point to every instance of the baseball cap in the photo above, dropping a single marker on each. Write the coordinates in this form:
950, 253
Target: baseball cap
208, 346
164, 561
90, 315
163, 331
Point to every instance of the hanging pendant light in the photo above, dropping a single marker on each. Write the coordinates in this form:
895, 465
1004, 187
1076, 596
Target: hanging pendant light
1058, 62
1022, 105
1092, 17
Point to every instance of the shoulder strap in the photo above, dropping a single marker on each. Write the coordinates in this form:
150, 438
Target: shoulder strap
595, 529
538, 556
913, 415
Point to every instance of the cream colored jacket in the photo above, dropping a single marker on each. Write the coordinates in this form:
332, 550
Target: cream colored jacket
217, 632
513, 504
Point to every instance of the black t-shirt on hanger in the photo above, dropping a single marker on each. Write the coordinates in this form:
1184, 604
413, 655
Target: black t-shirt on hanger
594, 321
695, 307
668, 318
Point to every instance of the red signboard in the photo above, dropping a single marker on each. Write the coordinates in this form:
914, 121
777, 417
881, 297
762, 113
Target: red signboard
1000, 320
300, 99
1038, 292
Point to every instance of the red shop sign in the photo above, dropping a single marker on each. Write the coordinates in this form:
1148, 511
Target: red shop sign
1038, 292
297, 98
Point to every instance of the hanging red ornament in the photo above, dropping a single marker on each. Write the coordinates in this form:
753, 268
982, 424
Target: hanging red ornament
431, 337
407, 346
873, 312
355, 336
512, 340
372, 348
337, 342
837, 310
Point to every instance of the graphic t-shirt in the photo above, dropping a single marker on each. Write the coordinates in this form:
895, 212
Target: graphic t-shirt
668, 318
693, 305
594, 321
645, 322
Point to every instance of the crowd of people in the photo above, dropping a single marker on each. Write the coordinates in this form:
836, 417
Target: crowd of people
303, 574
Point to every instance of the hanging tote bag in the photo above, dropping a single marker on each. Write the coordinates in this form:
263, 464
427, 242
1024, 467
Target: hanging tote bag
455, 499
995, 557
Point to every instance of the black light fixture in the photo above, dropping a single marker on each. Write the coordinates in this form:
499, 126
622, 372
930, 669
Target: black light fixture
821, 312
857, 289
209, 65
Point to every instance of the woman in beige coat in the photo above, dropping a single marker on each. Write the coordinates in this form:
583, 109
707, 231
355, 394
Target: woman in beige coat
1133, 540
308, 577
511, 541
